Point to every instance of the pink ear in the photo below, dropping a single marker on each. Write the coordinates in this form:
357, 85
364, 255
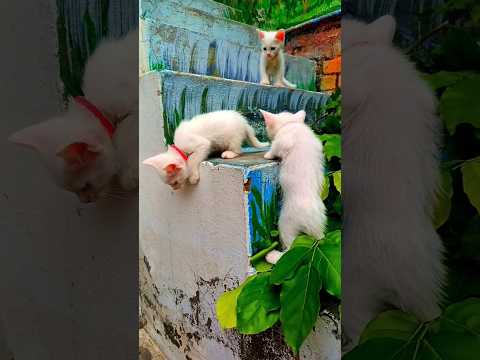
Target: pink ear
300, 116
269, 118
172, 169
280, 35
261, 34
78, 155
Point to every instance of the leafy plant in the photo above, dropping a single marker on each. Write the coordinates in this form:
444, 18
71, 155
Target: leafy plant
273, 15
398, 335
264, 218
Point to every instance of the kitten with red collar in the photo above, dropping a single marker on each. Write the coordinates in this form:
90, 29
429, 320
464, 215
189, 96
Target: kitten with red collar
272, 59
223, 131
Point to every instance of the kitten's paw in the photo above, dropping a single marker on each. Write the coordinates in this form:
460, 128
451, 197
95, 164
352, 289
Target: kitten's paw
273, 256
229, 154
269, 156
279, 84
194, 179
264, 82
128, 179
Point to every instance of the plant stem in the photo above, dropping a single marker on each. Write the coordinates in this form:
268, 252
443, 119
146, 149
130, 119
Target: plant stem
261, 254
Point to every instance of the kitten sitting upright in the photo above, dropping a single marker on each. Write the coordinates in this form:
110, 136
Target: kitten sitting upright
301, 177
272, 60
223, 131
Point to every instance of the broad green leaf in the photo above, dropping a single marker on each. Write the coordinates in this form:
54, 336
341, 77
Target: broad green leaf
332, 145
379, 349
328, 263
337, 180
226, 306
287, 266
303, 240
444, 202
393, 324
325, 189
300, 305
471, 181
459, 104
333, 237
257, 305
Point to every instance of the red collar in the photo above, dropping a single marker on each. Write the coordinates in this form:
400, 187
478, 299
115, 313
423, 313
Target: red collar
182, 154
97, 113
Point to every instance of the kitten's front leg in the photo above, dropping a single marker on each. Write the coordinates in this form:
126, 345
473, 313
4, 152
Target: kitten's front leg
202, 149
272, 153
264, 78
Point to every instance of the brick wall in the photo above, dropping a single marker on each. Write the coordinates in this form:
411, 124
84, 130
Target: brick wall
320, 41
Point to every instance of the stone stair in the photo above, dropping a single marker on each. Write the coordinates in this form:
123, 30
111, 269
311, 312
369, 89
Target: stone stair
197, 242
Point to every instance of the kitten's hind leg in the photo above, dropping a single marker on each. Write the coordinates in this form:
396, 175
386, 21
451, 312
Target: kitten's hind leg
229, 154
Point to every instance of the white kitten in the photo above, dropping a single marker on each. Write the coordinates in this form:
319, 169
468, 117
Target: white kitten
75, 147
392, 255
222, 131
301, 177
272, 60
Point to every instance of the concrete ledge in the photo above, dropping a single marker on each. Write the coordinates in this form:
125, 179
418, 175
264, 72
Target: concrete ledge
208, 6
172, 48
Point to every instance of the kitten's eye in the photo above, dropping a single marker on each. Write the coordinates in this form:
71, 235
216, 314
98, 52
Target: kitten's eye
272, 48
264, 49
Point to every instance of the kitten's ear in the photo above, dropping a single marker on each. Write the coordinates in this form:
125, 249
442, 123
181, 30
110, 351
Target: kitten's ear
269, 117
78, 155
261, 34
33, 137
383, 29
300, 116
280, 35
172, 169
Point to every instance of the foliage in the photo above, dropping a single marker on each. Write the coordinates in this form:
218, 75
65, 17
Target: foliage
264, 217
273, 15
289, 292
398, 335
452, 70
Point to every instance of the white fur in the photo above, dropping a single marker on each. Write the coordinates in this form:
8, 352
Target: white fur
301, 177
272, 62
112, 86
222, 131
392, 255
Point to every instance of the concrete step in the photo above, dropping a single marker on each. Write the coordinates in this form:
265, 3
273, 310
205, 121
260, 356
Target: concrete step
198, 21
186, 95
207, 6
196, 242
174, 48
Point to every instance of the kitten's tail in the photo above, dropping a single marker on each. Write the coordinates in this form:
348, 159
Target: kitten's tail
289, 84
252, 138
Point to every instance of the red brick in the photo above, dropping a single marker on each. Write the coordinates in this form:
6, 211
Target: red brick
333, 66
328, 82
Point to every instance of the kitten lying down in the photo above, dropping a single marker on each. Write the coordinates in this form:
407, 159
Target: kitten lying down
83, 154
196, 139
301, 177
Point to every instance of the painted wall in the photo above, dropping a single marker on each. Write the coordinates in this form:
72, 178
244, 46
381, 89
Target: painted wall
58, 259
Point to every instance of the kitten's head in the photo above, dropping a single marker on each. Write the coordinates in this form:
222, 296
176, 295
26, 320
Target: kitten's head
272, 42
380, 32
171, 167
275, 122
79, 158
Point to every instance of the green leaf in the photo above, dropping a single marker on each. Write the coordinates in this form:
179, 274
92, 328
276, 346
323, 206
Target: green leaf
337, 180
471, 180
287, 266
263, 266
328, 263
300, 305
459, 104
396, 335
444, 201
443, 79
333, 237
226, 306
332, 145
325, 189
393, 324
303, 240
257, 306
